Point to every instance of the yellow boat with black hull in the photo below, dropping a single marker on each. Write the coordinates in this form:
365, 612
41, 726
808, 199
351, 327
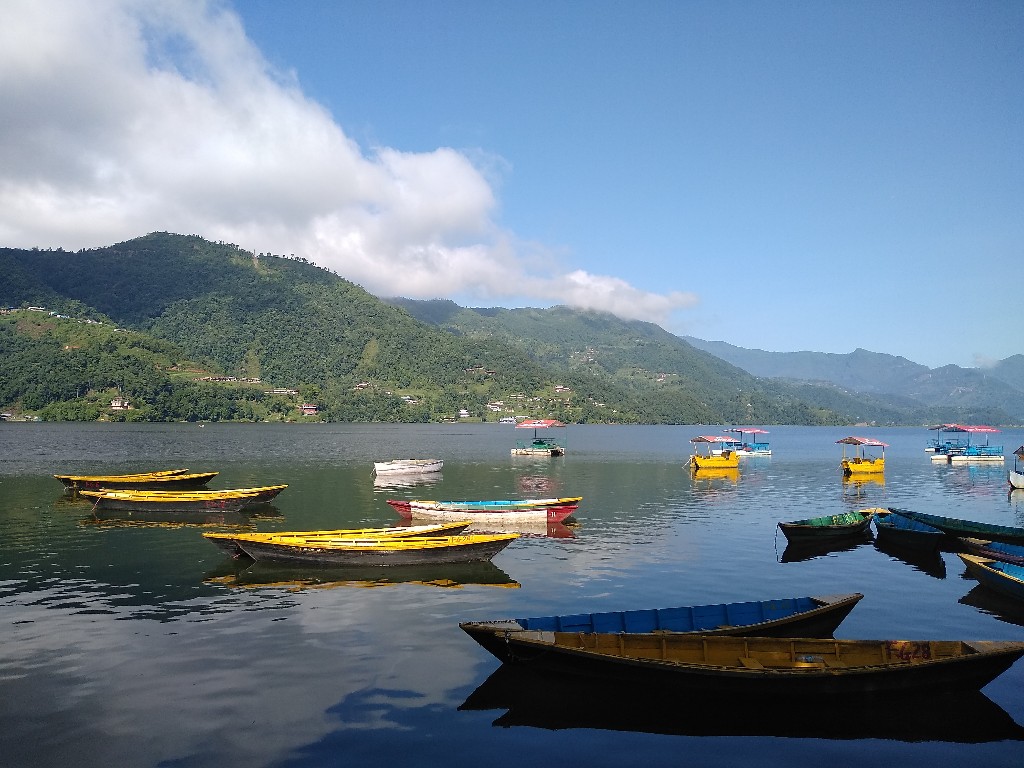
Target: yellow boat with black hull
386, 551
232, 499
721, 457
228, 542
860, 462
168, 479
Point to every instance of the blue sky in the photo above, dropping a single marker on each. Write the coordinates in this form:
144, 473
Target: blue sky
784, 176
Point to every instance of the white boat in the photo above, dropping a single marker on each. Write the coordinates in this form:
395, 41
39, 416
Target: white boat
407, 466
1015, 475
977, 452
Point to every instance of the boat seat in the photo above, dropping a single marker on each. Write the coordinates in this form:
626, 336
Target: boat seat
750, 663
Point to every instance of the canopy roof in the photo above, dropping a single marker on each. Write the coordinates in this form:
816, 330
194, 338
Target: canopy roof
710, 439
1019, 452
863, 441
539, 424
964, 428
748, 430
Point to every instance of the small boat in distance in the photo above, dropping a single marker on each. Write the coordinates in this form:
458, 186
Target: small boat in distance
828, 526
940, 447
860, 463
503, 510
539, 446
976, 452
407, 466
750, 447
783, 617
717, 453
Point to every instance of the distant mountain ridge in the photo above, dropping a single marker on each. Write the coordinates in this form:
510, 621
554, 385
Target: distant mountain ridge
1001, 386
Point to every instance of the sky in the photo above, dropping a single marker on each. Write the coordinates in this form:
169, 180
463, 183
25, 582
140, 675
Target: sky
783, 176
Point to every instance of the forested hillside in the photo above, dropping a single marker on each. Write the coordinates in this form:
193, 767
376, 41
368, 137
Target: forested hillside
183, 328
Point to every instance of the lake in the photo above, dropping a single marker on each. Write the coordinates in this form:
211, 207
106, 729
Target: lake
138, 644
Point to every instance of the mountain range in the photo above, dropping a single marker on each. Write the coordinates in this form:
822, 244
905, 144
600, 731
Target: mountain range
185, 328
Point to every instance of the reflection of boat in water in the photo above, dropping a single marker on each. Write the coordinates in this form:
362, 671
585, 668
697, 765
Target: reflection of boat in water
929, 561
282, 576
115, 517
537, 485
710, 477
406, 481
555, 702
810, 549
1002, 607
538, 530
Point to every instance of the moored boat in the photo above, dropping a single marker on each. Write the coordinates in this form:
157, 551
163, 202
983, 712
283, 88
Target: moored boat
966, 528
752, 447
1015, 476
407, 466
813, 616
553, 510
994, 550
172, 479
828, 526
860, 462
386, 551
767, 668
233, 499
539, 446
900, 531
717, 453
941, 447
1006, 578
977, 452
228, 542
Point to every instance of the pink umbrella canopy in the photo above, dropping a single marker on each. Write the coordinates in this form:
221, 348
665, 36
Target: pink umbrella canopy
539, 424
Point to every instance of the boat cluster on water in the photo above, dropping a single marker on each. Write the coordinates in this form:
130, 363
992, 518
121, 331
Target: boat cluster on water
757, 650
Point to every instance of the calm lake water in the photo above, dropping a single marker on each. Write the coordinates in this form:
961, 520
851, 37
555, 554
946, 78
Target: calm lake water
135, 644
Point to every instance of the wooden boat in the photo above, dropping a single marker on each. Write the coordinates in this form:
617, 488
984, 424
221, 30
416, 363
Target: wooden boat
995, 550
860, 463
228, 542
539, 446
1015, 476
387, 551
966, 528
900, 531
233, 499
768, 669
752, 447
172, 479
537, 699
720, 457
503, 510
814, 616
407, 466
838, 526
1005, 578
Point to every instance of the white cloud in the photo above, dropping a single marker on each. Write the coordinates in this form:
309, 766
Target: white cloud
123, 117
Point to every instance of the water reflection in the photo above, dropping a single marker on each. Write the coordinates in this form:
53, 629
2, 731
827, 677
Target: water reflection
526, 529
801, 551
406, 481
262, 574
556, 702
122, 517
928, 561
1002, 607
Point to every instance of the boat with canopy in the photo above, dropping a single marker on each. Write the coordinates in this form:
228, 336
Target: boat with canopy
539, 446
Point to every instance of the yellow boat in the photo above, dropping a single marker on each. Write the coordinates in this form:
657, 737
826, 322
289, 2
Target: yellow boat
860, 463
722, 457
389, 551
179, 479
231, 499
229, 542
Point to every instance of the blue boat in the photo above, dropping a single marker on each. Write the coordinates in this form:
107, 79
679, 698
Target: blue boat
899, 530
813, 616
966, 528
995, 550
1005, 578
